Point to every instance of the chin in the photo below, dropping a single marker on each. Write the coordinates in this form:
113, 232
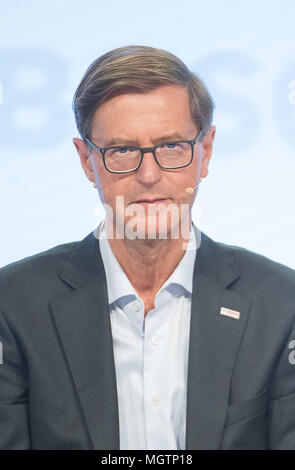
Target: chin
151, 228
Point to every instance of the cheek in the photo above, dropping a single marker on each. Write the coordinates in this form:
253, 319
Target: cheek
113, 189
104, 178
102, 187
186, 179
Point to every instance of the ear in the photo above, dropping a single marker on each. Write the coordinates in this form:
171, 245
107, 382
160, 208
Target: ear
85, 158
207, 146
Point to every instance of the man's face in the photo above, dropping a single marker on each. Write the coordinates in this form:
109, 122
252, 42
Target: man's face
144, 120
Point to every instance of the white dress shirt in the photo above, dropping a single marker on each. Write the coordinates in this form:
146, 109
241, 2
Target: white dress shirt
151, 353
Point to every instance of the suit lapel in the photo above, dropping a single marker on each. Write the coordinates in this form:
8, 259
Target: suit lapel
82, 321
214, 344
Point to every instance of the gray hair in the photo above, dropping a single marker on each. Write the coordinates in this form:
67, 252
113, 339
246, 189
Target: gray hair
137, 69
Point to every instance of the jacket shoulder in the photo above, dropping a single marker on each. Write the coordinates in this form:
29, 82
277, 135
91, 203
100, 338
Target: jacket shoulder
259, 271
50, 260
254, 260
253, 270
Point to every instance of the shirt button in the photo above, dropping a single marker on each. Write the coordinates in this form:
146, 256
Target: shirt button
155, 401
136, 307
155, 340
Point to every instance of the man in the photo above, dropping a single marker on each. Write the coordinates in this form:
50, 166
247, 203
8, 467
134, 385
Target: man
147, 334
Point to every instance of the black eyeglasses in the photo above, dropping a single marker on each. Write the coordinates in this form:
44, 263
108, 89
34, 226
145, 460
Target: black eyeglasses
169, 155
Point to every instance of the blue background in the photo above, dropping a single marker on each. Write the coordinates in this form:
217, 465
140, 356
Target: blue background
244, 51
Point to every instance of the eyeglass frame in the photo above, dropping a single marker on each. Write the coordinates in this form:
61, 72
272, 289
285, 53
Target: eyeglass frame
144, 150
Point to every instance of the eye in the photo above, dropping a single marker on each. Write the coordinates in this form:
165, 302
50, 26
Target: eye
121, 150
171, 145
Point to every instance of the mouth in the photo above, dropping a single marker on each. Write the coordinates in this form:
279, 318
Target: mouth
150, 201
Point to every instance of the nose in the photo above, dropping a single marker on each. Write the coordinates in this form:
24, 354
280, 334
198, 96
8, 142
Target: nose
149, 171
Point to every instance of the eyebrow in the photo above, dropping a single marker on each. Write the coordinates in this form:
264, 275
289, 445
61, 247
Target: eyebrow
135, 143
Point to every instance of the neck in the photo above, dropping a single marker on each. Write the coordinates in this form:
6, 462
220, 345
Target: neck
148, 263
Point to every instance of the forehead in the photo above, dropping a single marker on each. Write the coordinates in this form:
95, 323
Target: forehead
162, 110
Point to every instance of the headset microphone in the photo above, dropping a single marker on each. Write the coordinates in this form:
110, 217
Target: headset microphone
190, 190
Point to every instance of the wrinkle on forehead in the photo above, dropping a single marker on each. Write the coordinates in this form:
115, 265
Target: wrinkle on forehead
145, 117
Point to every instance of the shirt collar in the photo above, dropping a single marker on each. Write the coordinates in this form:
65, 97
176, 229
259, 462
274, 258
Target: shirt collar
118, 283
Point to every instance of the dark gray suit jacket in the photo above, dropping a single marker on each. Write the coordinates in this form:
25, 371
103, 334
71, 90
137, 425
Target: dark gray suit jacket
57, 380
